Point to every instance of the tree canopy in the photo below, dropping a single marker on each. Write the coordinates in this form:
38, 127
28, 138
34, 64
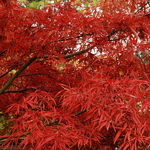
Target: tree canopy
73, 80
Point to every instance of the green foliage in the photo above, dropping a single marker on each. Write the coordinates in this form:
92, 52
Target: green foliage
23, 1
35, 0
95, 2
35, 4
3, 122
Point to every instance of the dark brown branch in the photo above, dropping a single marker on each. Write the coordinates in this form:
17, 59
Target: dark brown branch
79, 52
56, 79
19, 91
16, 75
147, 14
16, 91
68, 39
75, 53
3, 52
80, 112
45, 74
4, 74
38, 74
142, 7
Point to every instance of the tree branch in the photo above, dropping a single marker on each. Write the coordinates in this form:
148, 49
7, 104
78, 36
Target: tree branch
33, 74
142, 7
16, 75
3, 52
44, 74
16, 91
82, 35
147, 14
80, 112
4, 74
79, 52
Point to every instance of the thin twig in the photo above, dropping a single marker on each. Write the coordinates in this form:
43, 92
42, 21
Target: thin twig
147, 14
45, 74
37, 74
68, 39
80, 112
3, 52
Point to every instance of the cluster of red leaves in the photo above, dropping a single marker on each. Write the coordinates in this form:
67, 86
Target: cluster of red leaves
101, 101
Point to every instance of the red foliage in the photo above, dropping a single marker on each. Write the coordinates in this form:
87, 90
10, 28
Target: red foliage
64, 97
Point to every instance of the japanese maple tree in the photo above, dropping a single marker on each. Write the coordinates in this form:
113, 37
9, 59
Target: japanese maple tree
74, 80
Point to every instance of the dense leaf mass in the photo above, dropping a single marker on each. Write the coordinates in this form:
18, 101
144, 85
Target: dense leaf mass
76, 80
